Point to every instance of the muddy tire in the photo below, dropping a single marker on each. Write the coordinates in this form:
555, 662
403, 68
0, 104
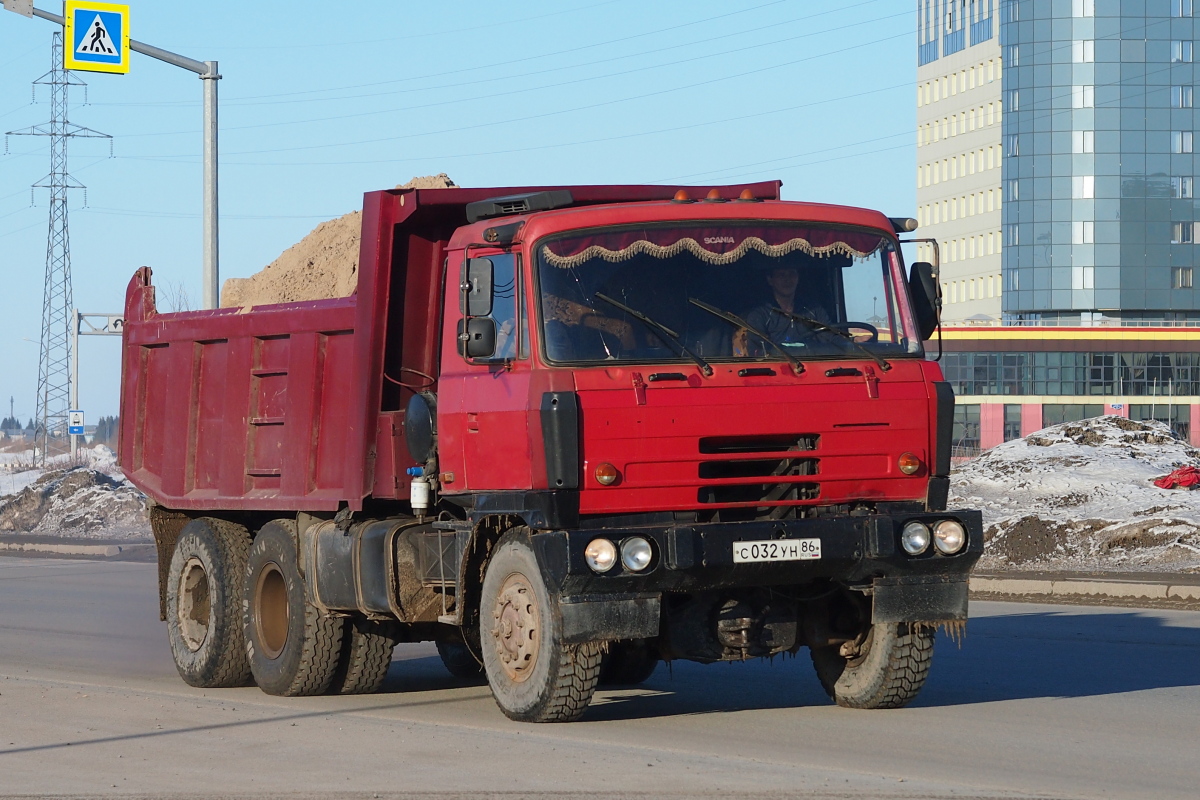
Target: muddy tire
533, 674
293, 649
367, 647
628, 663
204, 604
889, 671
459, 662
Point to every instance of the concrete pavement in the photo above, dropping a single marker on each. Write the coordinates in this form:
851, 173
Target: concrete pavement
1040, 701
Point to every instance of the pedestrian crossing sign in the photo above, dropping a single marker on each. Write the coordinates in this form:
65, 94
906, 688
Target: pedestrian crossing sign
96, 37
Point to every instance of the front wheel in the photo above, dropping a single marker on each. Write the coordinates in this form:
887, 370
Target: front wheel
886, 670
533, 674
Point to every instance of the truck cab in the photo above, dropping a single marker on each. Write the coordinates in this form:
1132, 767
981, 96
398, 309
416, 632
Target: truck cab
598, 428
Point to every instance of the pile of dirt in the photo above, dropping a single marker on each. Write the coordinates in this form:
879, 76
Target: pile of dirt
81, 503
1080, 495
323, 264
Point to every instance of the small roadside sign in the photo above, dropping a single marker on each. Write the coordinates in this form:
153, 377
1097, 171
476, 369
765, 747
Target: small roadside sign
75, 423
96, 37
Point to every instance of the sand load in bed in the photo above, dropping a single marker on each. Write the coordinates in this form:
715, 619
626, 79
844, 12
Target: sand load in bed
323, 264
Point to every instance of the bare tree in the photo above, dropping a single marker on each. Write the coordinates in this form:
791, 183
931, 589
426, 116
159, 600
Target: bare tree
174, 296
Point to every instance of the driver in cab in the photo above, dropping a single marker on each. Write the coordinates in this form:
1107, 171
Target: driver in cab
783, 282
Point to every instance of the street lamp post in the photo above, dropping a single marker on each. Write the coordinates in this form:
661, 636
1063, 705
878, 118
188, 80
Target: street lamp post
207, 70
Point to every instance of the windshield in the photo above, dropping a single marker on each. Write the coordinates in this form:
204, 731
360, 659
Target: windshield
727, 291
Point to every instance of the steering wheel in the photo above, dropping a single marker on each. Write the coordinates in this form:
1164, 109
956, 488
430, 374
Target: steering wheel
850, 328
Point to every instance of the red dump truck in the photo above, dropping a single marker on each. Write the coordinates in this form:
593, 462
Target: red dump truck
565, 433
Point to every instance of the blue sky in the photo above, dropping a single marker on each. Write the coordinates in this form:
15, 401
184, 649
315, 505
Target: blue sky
321, 102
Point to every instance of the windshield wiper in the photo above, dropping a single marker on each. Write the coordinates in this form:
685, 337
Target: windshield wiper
734, 319
821, 326
658, 326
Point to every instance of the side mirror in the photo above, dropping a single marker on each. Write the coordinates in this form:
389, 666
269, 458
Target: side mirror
477, 337
927, 302
476, 287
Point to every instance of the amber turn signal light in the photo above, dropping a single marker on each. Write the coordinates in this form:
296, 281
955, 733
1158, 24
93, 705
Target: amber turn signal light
606, 474
909, 463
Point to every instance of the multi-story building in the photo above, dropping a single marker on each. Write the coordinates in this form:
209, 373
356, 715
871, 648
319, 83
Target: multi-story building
1094, 228
959, 106
1099, 165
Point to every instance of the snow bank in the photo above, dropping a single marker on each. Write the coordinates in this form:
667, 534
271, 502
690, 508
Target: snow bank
1080, 496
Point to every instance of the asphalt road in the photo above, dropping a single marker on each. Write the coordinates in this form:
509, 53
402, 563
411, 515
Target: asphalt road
1041, 701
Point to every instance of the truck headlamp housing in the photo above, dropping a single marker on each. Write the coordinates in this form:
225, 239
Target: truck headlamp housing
914, 538
636, 553
600, 555
949, 536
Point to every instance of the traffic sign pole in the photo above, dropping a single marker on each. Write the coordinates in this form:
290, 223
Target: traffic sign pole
97, 325
207, 70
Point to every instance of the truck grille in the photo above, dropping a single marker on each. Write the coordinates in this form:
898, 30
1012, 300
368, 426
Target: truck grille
770, 443
761, 457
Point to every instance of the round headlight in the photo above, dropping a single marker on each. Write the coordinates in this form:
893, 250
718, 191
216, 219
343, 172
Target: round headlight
915, 538
606, 474
909, 464
636, 554
949, 536
600, 555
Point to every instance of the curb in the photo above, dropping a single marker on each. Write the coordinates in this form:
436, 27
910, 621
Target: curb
92, 550
1084, 590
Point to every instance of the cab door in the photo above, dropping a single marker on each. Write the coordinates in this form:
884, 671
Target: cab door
484, 400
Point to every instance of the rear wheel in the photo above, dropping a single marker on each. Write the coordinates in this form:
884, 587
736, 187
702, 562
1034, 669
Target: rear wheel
533, 674
886, 670
628, 663
204, 599
366, 655
293, 648
458, 660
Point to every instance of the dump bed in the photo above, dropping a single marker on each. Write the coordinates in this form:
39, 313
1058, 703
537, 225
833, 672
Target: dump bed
299, 406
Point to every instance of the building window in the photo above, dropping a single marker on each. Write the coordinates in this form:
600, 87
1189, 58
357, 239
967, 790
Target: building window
1083, 96
1181, 233
1012, 422
1056, 413
1181, 97
1013, 149
1083, 232
1083, 278
1014, 100
1181, 8
1013, 189
1011, 240
1014, 280
966, 429
1181, 277
1178, 417
1083, 51
1181, 51
1083, 187
1181, 141
1083, 8
1083, 141
1181, 187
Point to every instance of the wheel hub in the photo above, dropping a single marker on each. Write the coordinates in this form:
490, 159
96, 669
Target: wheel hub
516, 628
271, 610
194, 604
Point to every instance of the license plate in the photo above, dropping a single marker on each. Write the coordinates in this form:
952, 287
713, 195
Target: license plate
778, 550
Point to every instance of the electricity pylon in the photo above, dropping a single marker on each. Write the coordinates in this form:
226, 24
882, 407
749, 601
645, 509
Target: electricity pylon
54, 366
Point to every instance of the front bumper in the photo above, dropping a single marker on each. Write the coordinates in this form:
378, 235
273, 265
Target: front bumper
863, 552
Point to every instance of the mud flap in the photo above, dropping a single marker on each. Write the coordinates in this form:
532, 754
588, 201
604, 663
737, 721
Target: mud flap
933, 598
609, 618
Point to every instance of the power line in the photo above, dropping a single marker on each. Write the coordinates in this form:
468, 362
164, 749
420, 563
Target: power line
523, 90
